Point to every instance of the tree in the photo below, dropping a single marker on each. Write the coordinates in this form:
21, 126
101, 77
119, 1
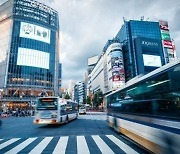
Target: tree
97, 99
67, 96
88, 100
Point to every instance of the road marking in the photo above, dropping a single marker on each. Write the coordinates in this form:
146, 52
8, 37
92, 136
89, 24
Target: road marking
8, 142
121, 144
21, 146
104, 148
41, 146
61, 145
82, 147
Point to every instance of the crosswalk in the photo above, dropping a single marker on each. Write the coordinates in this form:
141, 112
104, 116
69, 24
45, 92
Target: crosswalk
106, 144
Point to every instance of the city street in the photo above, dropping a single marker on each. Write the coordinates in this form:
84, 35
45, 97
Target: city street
89, 133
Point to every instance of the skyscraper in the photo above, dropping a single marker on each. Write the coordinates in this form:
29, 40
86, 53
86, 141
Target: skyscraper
141, 42
29, 56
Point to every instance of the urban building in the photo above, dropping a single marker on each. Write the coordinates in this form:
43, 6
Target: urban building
75, 93
79, 92
143, 35
29, 52
59, 79
137, 49
92, 61
70, 87
96, 77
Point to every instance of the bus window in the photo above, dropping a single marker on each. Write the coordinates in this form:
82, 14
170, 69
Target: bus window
50, 104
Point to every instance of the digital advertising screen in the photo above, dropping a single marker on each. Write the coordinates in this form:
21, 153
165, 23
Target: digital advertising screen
34, 58
152, 60
35, 32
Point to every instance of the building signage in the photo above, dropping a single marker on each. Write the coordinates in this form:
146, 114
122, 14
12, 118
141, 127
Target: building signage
165, 36
147, 43
35, 32
167, 44
163, 25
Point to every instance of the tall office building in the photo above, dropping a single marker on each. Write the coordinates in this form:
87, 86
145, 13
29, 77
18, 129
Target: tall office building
79, 92
70, 87
29, 56
142, 47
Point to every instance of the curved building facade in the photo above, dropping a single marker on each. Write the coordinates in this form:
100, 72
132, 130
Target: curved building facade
29, 51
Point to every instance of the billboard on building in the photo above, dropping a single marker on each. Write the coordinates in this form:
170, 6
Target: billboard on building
152, 60
34, 58
166, 41
163, 25
117, 66
35, 32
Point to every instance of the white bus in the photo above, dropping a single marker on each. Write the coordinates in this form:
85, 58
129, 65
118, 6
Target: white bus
55, 110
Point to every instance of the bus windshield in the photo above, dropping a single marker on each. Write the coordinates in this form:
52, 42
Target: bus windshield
47, 104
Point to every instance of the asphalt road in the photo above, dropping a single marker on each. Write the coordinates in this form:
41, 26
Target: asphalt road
91, 129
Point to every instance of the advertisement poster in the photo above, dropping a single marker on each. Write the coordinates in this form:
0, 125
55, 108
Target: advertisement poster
167, 44
163, 25
35, 32
165, 36
117, 66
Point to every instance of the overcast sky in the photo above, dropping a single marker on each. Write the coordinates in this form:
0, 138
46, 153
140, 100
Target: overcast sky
86, 25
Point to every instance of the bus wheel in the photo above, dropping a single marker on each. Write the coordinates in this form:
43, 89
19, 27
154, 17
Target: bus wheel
67, 120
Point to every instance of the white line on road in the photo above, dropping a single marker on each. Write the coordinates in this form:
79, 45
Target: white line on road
105, 149
8, 142
21, 146
122, 145
61, 145
41, 146
82, 147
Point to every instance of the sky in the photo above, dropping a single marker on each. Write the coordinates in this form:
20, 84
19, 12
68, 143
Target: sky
86, 25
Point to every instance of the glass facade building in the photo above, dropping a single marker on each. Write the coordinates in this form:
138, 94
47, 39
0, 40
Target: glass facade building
29, 50
130, 31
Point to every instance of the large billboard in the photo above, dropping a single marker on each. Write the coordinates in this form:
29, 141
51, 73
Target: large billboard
35, 32
166, 40
117, 66
152, 60
34, 58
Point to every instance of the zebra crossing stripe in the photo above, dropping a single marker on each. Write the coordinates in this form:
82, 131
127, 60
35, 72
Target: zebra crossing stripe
41, 146
8, 142
21, 146
121, 144
61, 145
104, 148
82, 147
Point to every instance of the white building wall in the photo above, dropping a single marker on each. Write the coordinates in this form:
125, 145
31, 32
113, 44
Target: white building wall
96, 78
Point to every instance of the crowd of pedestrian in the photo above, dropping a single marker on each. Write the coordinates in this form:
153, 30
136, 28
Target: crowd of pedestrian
18, 112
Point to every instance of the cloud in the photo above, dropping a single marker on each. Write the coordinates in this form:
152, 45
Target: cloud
86, 25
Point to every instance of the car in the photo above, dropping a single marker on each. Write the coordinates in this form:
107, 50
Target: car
82, 110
